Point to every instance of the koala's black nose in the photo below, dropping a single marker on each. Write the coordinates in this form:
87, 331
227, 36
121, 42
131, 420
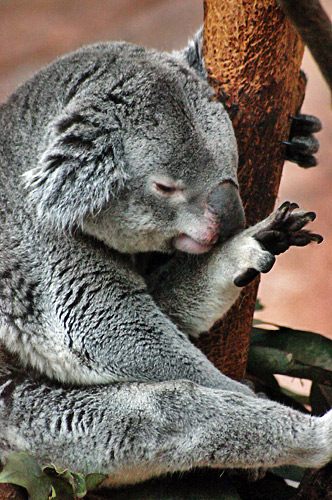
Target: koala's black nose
225, 203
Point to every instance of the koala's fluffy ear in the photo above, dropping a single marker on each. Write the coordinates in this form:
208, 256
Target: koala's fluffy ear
193, 53
81, 167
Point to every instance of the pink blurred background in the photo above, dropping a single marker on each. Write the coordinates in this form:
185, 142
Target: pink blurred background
298, 291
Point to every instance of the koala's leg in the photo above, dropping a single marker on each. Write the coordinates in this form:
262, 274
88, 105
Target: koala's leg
135, 431
194, 291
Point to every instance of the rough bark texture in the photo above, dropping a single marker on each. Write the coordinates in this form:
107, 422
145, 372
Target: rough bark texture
253, 57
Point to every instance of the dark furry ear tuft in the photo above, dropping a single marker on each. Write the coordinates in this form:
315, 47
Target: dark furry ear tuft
193, 53
81, 167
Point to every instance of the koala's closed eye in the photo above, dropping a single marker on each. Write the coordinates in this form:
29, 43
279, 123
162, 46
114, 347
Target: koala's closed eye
167, 187
164, 188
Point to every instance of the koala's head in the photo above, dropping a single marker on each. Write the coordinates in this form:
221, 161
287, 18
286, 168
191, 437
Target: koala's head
142, 158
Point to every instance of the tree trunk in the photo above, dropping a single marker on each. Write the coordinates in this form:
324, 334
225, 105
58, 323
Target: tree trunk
253, 57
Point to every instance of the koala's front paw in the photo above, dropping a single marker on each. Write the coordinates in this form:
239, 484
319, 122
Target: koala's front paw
282, 229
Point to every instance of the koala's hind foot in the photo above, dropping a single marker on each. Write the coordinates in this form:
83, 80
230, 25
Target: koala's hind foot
282, 229
302, 145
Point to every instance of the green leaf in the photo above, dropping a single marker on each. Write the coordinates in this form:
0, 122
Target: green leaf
74, 480
302, 399
256, 322
23, 470
269, 360
258, 305
292, 472
62, 490
308, 347
93, 480
272, 360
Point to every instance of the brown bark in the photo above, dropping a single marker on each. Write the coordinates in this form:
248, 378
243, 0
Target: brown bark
253, 57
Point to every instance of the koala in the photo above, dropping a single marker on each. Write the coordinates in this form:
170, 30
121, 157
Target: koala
122, 235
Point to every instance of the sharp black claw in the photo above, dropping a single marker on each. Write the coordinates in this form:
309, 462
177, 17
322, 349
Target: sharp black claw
298, 146
284, 207
311, 216
318, 238
302, 160
303, 238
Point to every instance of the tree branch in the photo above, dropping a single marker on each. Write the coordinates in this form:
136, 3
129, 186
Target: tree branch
315, 28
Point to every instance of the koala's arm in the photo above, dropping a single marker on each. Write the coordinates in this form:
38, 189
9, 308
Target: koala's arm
135, 431
195, 291
96, 323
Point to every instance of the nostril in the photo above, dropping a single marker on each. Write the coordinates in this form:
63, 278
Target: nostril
225, 203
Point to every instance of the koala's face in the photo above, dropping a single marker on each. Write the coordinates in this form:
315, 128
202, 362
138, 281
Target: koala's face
180, 153
139, 156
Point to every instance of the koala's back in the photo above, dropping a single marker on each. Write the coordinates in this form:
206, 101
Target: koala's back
27, 248
24, 118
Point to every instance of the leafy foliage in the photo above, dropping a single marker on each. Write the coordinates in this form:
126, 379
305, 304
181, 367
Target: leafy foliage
47, 483
298, 354
23, 470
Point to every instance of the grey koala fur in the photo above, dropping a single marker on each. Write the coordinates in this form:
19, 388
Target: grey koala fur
109, 155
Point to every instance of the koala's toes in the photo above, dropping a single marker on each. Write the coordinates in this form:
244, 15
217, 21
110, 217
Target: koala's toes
305, 124
303, 238
301, 150
302, 145
285, 229
282, 214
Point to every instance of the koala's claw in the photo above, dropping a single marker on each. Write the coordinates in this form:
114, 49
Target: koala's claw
247, 277
302, 145
286, 229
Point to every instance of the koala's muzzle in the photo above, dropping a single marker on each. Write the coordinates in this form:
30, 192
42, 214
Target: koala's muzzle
225, 204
